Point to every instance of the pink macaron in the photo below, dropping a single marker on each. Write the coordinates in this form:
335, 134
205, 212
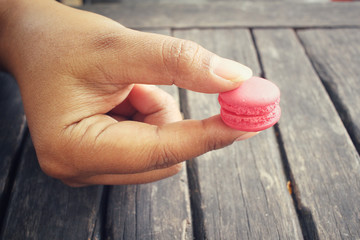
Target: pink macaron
252, 107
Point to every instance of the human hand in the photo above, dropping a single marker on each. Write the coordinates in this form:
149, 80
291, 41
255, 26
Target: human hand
92, 115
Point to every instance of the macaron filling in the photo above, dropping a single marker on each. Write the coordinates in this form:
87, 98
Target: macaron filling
249, 111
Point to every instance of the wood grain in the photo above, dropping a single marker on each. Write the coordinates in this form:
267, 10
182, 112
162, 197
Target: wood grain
231, 14
12, 125
335, 54
240, 191
44, 208
159, 210
323, 160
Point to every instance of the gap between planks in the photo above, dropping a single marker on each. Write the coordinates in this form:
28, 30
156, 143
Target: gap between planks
200, 199
5, 202
336, 99
173, 29
197, 214
303, 214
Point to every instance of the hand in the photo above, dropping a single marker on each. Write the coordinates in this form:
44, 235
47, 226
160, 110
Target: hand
92, 115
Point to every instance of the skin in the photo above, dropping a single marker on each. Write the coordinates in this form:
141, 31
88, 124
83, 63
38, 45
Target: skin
86, 84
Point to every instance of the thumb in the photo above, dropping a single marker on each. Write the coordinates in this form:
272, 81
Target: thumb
156, 59
133, 147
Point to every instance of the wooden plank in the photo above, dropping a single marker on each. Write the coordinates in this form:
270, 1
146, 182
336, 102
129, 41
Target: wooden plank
238, 192
12, 125
159, 210
335, 56
231, 14
44, 208
324, 162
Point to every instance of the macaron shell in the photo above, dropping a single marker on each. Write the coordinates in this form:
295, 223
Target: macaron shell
255, 92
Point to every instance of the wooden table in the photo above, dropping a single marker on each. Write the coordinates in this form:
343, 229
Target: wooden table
310, 50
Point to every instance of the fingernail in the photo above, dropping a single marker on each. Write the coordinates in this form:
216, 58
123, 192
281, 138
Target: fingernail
230, 70
246, 136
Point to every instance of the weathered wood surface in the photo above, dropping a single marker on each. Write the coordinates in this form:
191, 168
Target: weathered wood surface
231, 14
335, 54
44, 208
197, 1
238, 192
179, 1
12, 126
323, 161
159, 210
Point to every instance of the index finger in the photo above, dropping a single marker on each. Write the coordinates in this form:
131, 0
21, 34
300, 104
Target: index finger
156, 59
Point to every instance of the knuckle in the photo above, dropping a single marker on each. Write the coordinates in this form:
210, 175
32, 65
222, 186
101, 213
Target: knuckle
54, 169
106, 41
165, 158
214, 140
168, 104
61, 170
63, 157
214, 144
180, 55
